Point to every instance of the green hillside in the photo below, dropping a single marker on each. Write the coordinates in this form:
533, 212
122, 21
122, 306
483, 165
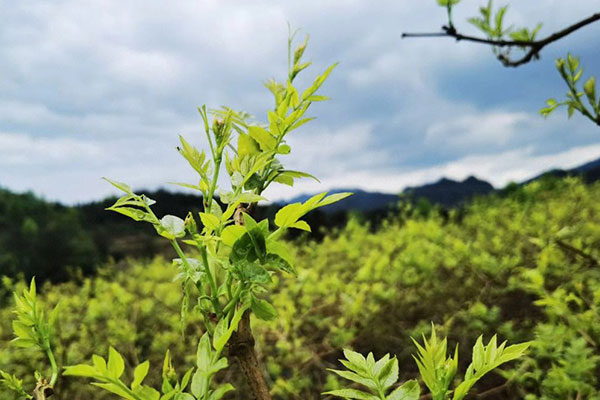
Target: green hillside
43, 239
523, 264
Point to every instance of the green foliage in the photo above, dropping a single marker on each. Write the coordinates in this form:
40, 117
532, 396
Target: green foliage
377, 376
32, 330
436, 370
13, 384
571, 72
43, 239
489, 23
371, 291
485, 359
107, 375
237, 256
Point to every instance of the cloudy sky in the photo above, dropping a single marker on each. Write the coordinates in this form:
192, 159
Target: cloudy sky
103, 88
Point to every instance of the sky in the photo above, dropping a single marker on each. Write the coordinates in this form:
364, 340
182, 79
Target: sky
104, 88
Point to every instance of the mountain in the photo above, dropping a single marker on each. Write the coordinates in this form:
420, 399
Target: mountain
450, 193
445, 192
590, 172
361, 200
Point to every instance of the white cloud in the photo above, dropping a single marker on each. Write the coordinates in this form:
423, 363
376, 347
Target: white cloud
499, 169
492, 129
18, 149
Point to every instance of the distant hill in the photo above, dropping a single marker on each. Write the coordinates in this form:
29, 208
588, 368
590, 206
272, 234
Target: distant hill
450, 193
590, 172
46, 239
445, 192
361, 200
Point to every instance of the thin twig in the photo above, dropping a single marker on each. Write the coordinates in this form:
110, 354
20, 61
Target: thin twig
534, 46
580, 253
494, 390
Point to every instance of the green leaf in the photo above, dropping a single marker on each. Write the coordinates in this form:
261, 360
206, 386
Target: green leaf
334, 198
446, 3
246, 145
284, 148
82, 370
232, 233
265, 140
99, 364
139, 374
352, 394
171, 227
244, 198
210, 221
263, 309
119, 185
133, 213
225, 329
115, 365
354, 377
195, 158
410, 390
356, 359
281, 249
251, 272
388, 375
114, 388
147, 393
590, 90
288, 215
275, 261
218, 393
302, 225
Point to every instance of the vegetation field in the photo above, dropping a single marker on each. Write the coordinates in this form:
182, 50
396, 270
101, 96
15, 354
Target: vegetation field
523, 264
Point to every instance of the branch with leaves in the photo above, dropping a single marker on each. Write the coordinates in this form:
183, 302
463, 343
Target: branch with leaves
33, 330
503, 39
437, 371
230, 258
571, 72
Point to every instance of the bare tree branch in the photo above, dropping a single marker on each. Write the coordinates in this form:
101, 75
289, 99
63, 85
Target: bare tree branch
534, 46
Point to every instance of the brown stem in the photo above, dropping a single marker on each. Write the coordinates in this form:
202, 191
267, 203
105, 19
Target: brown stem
580, 253
493, 391
534, 46
241, 344
42, 390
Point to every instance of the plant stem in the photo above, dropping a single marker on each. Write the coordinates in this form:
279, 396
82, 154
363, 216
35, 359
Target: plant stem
54, 366
213, 185
241, 346
211, 281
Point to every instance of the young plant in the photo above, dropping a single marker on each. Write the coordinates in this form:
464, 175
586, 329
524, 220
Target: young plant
571, 72
107, 375
234, 256
437, 370
32, 330
377, 377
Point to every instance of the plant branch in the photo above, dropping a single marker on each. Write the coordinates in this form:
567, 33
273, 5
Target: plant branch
53, 365
241, 345
534, 46
582, 254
